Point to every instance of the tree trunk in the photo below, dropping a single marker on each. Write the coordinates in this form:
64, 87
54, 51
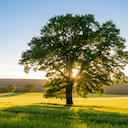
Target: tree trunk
69, 92
69, 100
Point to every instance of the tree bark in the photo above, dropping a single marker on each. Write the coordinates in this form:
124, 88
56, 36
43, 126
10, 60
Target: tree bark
69, 92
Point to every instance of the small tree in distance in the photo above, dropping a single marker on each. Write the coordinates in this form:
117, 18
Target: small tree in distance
30, 88
10, 88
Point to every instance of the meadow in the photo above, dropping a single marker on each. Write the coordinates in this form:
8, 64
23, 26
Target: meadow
31, 110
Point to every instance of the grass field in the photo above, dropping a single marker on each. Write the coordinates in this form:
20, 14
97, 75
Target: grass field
31, 110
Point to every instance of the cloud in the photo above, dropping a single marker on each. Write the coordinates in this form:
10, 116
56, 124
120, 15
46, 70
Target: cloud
11, 67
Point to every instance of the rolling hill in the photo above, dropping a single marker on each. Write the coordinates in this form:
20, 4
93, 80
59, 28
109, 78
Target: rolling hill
20, 83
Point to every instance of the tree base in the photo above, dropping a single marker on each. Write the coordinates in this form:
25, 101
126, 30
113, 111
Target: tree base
69, 101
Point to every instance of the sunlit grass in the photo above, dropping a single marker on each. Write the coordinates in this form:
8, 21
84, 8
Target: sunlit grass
31, 110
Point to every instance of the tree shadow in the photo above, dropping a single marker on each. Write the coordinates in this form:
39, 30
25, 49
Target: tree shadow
67, 117
10, 94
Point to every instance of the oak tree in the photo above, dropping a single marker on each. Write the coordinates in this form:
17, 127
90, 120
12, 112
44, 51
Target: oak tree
30, 88
10, 88
67, 42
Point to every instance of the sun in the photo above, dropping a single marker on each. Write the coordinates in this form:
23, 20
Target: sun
74, 72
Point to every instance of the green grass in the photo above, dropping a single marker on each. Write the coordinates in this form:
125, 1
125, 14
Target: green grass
31, 110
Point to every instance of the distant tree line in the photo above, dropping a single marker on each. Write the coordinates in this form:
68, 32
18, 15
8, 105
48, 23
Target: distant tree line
27, 88
115, 89
20, 84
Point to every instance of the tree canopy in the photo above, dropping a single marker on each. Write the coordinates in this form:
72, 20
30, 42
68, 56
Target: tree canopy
10, 88
81, 43
30, 88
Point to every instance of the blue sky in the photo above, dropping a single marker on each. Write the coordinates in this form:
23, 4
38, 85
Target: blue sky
20, 20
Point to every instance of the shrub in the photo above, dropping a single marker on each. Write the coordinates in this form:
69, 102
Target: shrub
19, 89
10, 88
3, 89
30, 88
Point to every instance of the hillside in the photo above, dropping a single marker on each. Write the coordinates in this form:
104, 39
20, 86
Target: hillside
117, 89
20, 83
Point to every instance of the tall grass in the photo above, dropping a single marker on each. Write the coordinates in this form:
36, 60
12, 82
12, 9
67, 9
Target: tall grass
31, 110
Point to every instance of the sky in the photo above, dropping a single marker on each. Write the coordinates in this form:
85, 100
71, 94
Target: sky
21, 20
